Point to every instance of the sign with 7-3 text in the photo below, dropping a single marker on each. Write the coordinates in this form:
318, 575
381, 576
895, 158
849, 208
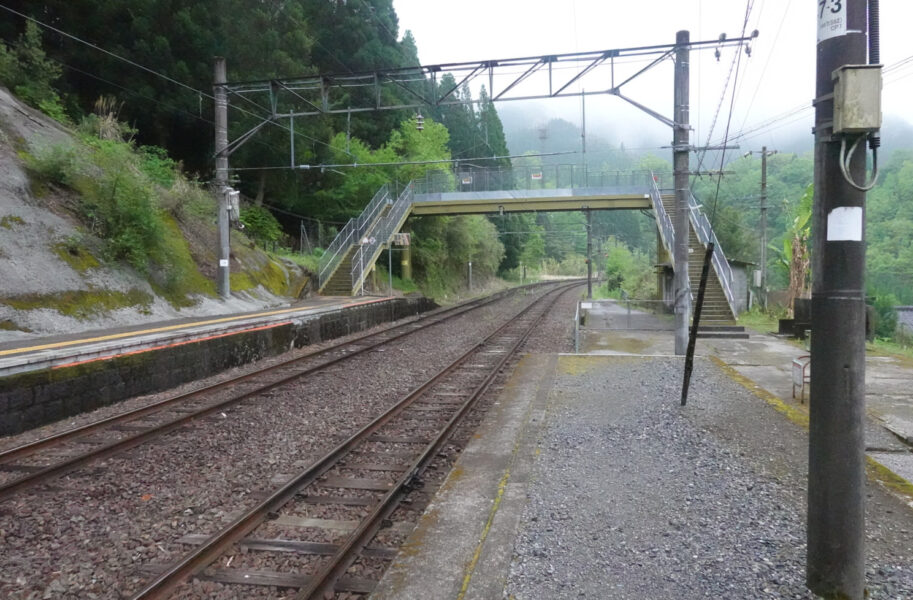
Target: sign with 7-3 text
831, 19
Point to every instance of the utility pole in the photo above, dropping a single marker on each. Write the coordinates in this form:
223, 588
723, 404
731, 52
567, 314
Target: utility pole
764, 154
835, 566
764, 226
680, 150
220, 94
583, 136
589, 254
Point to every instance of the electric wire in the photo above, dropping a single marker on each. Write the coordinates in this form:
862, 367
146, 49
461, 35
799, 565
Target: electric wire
748, 7
773, 47
392, 164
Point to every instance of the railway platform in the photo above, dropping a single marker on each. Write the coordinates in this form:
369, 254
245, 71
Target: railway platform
51, 351
588, 480
54, 378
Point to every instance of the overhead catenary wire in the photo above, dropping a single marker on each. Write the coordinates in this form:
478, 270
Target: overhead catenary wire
397, 163
716, 196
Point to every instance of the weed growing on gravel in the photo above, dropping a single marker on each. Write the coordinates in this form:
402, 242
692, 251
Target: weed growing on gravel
73, 252
9, 221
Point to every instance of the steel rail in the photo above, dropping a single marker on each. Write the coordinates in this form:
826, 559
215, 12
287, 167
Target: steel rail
217, 544
324, 581
131, 441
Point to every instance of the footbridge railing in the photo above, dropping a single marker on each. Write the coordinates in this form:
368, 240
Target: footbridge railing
378, 235
663, 222
705, 234
353, 231
532, 178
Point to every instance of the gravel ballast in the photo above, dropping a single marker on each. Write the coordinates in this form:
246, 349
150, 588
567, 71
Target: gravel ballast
95, 533
635, 497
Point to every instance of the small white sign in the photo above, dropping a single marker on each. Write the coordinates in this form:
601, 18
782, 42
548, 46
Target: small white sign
223, 262
466, 180
536, 176
831, 19
586, 305
844, 224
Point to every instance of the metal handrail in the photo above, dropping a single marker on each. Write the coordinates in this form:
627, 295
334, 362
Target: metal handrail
666, 230
706, 234
353, 231
530, 178
380, 199
380, 233
336, 250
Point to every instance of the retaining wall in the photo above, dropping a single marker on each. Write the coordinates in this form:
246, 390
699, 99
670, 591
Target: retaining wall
36, 398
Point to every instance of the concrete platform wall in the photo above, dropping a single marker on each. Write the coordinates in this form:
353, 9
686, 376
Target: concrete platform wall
35, 398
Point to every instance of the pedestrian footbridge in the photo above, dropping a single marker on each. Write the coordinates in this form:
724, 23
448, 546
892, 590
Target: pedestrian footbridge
350, 256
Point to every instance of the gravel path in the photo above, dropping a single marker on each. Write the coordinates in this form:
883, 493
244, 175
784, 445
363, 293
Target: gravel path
637, 498
93, 534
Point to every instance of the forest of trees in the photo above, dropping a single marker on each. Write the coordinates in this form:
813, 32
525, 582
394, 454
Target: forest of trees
179, 38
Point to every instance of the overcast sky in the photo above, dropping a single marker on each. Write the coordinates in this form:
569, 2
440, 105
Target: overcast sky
777, 78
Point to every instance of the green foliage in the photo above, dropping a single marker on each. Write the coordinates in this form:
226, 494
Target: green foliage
119, 204
129, 199
27, 71
761, 320
260, 224
54, 163
889, 229
157, 165
10, 221
628, 271
886, 323
443, 247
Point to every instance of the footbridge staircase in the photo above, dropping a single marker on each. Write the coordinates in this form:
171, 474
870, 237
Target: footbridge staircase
351, 255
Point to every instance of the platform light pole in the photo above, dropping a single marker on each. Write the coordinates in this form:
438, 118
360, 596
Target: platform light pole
680, 155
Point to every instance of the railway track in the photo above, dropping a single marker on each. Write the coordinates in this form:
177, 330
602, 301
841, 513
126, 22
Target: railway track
31, 464
345, 512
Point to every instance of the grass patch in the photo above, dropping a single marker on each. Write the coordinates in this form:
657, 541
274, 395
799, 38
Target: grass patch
759, 320
7, 325
83, 304
795, 413
311, 262
72, 252
175, 276
10, 221
888, 478
881, 347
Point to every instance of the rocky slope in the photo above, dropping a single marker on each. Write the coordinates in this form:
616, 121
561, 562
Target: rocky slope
49, 286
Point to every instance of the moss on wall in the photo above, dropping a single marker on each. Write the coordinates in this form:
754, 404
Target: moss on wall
83, 304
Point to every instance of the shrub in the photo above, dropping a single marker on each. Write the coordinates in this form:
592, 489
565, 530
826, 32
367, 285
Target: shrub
886, 323
157, 165
56, 163
260, 224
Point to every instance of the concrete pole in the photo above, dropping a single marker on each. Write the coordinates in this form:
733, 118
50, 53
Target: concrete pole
835, 566
390, 266
589, 255
405, 262
764, 226
680, 155
221, 119
470, 276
